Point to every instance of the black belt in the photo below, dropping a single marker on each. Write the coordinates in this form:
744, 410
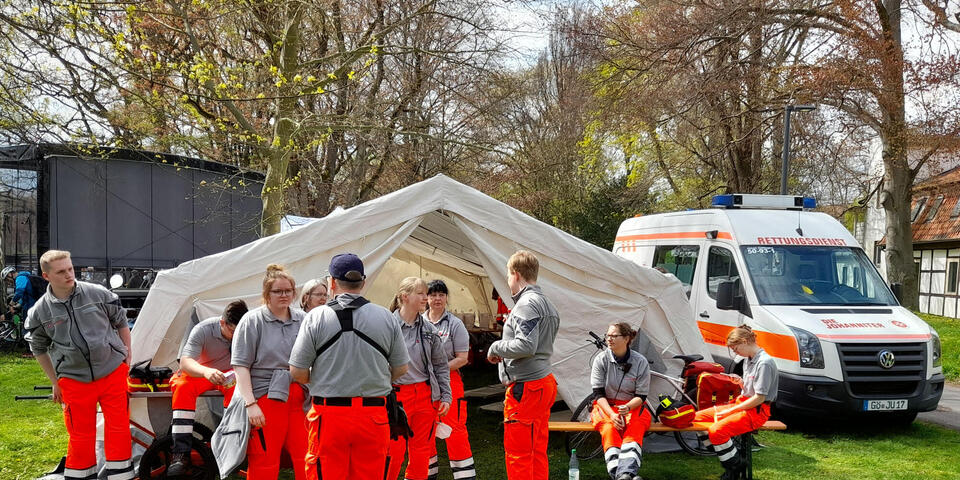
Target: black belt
348, 401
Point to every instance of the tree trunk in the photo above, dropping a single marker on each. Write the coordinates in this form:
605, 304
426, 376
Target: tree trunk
898, 177
275, 183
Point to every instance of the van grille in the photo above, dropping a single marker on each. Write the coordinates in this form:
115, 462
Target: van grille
866, 377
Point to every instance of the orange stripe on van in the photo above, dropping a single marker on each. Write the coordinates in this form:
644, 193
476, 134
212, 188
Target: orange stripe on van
919, 336
672, 236
780, 346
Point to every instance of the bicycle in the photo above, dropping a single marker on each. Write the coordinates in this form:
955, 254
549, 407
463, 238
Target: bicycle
11, 331
588, 444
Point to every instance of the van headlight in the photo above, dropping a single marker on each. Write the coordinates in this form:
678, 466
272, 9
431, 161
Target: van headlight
935, 348
811, 355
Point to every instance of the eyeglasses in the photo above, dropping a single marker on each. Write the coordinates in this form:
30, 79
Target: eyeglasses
282, 293
610, 337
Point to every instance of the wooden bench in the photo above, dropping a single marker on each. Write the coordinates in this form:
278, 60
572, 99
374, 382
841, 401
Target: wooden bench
743, 442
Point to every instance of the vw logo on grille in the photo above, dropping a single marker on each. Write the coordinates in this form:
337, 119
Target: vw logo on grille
886, 359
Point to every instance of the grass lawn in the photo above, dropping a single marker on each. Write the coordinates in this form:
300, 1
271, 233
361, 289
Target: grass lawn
32, 440
949, 330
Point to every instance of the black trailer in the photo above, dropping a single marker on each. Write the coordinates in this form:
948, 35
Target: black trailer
120, 211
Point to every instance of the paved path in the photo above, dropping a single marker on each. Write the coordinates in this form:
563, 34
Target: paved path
947, 413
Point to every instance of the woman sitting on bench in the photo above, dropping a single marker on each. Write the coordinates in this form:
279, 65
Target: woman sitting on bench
621, 380
751, 410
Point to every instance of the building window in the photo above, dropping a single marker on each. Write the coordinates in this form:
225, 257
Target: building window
956, 209
917, 208
934, 208
952, 271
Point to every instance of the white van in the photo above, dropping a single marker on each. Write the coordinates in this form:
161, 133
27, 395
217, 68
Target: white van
841, 339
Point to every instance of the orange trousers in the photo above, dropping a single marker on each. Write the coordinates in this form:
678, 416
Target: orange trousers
185, 390
458, 443
621, 450
348, 442
422, 416
722, 431
526, 417
80, 401
285, 427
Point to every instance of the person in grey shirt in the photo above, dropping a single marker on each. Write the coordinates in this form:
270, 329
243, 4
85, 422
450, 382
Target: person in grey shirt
78, 332
620, 379
456, 344
348, 351
524, 357
261, 349
751, 410
425, 390
203, 362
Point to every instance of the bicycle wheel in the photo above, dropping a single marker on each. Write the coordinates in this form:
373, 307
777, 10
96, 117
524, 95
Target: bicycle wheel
9, 335
156, 460
588, 444
690, 443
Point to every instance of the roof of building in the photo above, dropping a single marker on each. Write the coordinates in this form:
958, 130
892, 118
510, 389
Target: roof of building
936, 208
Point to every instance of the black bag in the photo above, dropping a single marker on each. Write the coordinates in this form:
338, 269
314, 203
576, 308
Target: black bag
145, 378
397, 418
38, 286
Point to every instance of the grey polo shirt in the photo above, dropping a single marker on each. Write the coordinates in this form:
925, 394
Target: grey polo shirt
262, 343
453, 334
619, 385
760, 376
528, 336
419, 339
350, 367
428, 362
207, 346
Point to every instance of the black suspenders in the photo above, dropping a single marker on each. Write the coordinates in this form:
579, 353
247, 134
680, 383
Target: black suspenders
345, 316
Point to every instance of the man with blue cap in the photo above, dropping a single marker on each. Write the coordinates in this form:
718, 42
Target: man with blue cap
348, 352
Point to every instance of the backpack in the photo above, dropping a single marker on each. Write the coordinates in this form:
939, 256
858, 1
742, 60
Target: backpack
145, 378
38, 286
675, 413
717, 389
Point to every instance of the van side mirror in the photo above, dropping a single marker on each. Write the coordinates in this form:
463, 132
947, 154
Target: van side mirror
727, 298
897, 289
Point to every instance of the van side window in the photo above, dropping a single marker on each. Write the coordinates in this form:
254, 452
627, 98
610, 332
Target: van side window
721, 267
680, 260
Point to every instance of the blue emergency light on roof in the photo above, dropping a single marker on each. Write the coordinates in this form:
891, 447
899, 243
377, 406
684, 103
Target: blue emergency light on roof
770, 202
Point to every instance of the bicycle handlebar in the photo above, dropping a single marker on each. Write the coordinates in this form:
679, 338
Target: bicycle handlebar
597, 341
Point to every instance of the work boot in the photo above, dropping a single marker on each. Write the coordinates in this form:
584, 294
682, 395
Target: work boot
732, 469
178, 464
637, 477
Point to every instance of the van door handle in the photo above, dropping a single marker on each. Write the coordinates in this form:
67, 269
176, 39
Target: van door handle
704, 314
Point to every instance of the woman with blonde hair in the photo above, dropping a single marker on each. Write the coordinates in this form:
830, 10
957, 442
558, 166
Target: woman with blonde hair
314, 294
424, 390
751, 410
620, 379
261, 349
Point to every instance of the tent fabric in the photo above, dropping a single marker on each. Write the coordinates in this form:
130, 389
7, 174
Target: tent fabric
443, 223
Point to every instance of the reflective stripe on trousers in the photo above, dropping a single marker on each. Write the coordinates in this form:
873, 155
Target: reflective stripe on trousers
80, 416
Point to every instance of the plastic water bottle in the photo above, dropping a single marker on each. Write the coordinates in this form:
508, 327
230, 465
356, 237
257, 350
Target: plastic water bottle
574, 472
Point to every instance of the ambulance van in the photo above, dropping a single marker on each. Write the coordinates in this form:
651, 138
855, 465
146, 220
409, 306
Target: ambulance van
840, 338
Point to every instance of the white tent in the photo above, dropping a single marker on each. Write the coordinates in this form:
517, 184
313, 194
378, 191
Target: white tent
437, 228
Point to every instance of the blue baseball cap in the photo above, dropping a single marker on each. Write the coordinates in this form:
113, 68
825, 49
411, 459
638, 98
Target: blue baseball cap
347, 267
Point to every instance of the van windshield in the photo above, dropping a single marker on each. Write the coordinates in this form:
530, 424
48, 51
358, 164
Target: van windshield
807, 275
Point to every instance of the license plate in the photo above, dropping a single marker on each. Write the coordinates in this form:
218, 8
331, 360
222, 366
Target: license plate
884, 405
